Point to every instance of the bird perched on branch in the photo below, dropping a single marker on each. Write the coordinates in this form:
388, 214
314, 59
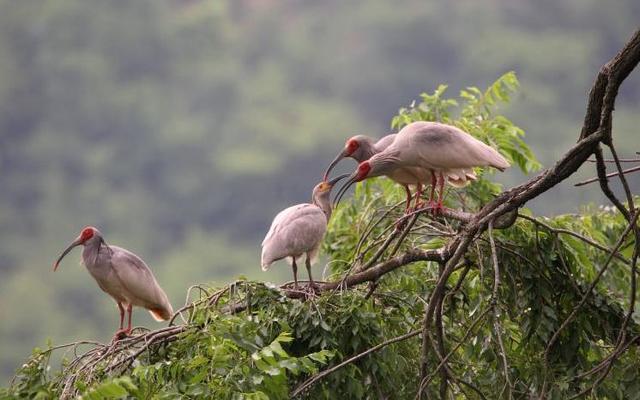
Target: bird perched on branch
362, 148
297, 231
446, 151
122, 275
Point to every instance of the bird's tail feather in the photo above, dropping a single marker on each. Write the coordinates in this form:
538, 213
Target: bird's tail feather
496, 159
265, 261
161, 313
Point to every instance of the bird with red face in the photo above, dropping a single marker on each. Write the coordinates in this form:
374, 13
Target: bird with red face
362, 148
445, 151
122, 275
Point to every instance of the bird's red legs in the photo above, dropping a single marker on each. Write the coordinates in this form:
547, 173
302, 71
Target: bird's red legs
409, 196
130, 311
418, 202
313, 285
121, 333
433, 187
439, 207
295, 273
401, 222
121, 315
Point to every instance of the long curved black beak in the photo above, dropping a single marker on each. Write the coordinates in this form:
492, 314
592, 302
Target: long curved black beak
335, 161
66, 251
344, 188
337, 179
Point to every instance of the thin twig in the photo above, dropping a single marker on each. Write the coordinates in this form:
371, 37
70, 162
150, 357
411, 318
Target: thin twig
494, 302
576, 235
311, 381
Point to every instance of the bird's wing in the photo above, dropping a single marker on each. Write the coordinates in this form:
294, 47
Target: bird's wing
294, 231
282, 216
139, 281
443, 146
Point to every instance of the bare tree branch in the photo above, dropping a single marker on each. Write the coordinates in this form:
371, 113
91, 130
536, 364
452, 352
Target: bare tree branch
626, 171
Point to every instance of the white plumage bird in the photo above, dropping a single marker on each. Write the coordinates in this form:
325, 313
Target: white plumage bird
122, 275
362, 148
447, 152
298, 231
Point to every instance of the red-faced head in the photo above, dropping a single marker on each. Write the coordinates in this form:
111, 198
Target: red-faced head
357, 147
86, 235
351, 146
363, 171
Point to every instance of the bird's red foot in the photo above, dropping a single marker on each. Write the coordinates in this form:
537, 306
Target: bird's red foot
430, 205
438, 209
121, 334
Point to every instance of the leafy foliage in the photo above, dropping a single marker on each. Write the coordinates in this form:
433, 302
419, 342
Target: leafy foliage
266, 350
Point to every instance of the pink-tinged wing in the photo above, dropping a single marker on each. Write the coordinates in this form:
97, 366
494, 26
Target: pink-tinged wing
142, 287
294, 231
442, 146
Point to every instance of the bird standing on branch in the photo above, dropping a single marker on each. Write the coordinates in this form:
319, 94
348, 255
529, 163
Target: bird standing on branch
362, 148
447, 152
122, 275
298, 231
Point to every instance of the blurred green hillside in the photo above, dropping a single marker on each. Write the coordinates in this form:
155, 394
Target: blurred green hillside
181, 127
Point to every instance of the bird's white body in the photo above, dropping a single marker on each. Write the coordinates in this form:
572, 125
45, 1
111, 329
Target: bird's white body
403, 176
126, 278
122, 275
298, 231
443, 149
294, 232
426, 152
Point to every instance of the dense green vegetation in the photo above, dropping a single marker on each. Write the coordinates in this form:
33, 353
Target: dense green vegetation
181, 127
249, 340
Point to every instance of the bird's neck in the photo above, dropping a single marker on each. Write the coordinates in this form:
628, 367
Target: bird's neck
91, 252
368, 151
324, 203
385, 162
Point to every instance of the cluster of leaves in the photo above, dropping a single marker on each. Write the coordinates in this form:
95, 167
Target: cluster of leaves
272, 343
259, 353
